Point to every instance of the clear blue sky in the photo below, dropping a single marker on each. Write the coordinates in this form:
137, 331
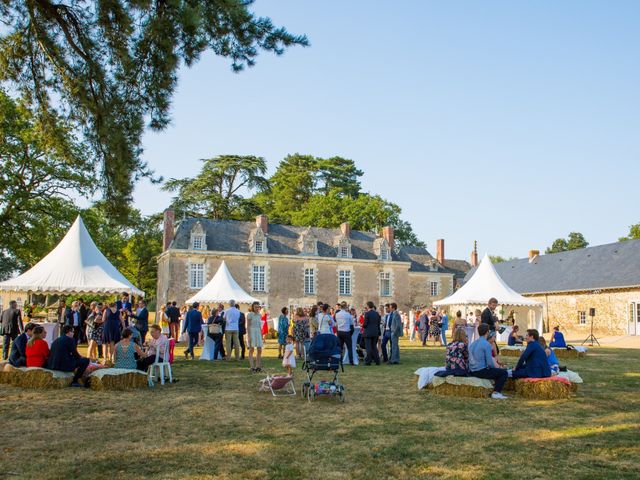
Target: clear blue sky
510, 123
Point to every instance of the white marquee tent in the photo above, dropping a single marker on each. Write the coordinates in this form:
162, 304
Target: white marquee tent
222, 288
74, 266
486, 283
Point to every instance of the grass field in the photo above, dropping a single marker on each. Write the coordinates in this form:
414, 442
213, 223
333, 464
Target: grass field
214, 424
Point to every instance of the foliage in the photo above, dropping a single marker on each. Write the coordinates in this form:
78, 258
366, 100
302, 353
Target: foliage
574, 241
109, 67
216, 192
634, 233
499, 259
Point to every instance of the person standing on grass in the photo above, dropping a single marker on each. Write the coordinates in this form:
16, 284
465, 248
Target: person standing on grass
193, 326
142, 320
231, 320
283, 331
11, 325
386, 332
254, 337
481, 362
395, 321
174, 321
371, 333
488, 315
423, 327
242, 331
345, 325
289, 358
444, 321
64, 356
110, 331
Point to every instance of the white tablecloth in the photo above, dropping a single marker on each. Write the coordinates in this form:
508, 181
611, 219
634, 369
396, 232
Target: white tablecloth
504, 336
354, 342
52, 330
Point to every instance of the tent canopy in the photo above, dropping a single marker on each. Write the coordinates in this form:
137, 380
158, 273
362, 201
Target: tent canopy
221, 289
74, 266
484, 284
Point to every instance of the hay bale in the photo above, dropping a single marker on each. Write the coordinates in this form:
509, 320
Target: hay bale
117, 379
543, 390
466, 391
564, 353
36, 378
507, 352
510, 385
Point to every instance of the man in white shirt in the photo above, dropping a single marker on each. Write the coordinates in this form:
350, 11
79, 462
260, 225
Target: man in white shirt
232, 324
345, 325
386, 332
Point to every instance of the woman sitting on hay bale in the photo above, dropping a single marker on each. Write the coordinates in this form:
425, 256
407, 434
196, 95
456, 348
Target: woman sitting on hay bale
533, 362
37, 348
125, 352
457, 354
514, 337
557, 338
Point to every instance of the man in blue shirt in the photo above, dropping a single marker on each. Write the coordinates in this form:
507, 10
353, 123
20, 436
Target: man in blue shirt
481, 363
232, 327
445, 326
192, 325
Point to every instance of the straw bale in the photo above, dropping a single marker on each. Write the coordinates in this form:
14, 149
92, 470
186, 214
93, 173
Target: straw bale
564, 353
36, 378
510, 353
543, 390
118, 380
510, 385
467, 391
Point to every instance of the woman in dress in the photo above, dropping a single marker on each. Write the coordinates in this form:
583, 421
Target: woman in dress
125, 352
459, 322
92, 348
254, 337
325, 322
313, 321
283, 331
111, 331
264, 323
434, 327
37, 350
300, 331
457, 355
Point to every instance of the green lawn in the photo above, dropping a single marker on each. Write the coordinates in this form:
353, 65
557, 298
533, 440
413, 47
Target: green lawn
214, 424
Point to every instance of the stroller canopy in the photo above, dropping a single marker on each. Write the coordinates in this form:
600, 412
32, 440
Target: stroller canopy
324, 345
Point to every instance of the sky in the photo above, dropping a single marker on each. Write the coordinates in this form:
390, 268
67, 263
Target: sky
509, 123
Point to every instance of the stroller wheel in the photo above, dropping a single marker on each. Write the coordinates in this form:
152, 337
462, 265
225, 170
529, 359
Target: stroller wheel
341, 395
305, 390
311, 394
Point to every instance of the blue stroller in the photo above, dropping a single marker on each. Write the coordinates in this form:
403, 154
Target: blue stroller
324, 355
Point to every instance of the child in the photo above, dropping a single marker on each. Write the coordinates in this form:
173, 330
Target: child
289, 361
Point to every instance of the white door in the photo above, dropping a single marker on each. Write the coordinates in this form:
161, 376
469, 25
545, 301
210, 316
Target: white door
634, 318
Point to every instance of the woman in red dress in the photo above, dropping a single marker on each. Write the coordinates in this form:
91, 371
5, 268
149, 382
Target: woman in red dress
264, 324
37, 348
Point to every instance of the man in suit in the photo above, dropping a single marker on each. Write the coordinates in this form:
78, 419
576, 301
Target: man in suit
142, 320
242, 331
11, 325
84, 314
488, 315
423, 327
386, 332
64, 356
174, 320
371, 333
72, 317
395, 320
18, 356
192, 325
124, 307
533, 362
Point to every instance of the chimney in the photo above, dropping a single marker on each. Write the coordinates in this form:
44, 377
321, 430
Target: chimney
168, 233
388, 235
533, 254
345, 228
440, 250
262, 222
474, 254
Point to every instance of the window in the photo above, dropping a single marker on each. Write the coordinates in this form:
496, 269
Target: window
344, 251
309, 281
385, 284
384, 254
259, 246
198, 242
434, 287
344, 287
196, 275
259, 278
582, 318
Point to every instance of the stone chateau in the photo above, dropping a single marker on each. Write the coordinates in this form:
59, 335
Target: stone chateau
291, 266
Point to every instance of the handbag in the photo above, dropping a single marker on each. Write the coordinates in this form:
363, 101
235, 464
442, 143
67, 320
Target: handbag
215, 329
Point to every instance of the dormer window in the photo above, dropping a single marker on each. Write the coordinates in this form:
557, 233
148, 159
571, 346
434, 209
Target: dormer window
308, 243
344, 249
384, 254
258, 242
259, 246
381, 249
198, 240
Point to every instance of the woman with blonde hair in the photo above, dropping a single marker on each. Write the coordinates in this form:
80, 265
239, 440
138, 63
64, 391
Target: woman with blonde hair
264, 323
457, 352
254, 337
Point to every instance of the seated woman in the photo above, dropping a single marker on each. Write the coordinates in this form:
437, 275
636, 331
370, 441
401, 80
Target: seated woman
554, 365
514, 337
457, 356
557, 338
494, 351
37, 348
125, 351
459, 322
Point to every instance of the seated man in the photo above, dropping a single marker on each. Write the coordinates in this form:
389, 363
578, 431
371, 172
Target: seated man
18, 355
514, 337
533, 362
481, 362
158, 343
64, 355
557, 338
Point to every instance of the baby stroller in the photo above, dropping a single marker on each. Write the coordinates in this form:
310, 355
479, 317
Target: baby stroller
324, 355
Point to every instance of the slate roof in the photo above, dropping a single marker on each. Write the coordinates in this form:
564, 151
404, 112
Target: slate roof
614, 265
459, 268
233, 236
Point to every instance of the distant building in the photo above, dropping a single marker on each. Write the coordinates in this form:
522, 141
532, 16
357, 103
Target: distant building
291, 266
569, 284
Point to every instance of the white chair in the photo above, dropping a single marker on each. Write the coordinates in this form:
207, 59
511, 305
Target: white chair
160, 366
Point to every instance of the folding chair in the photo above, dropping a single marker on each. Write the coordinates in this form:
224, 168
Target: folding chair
279, 386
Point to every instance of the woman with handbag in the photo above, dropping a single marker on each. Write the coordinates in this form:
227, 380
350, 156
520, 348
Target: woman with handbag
215, 331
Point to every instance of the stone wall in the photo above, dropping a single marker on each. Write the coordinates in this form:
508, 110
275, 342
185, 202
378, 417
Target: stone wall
285, 279
612, 310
